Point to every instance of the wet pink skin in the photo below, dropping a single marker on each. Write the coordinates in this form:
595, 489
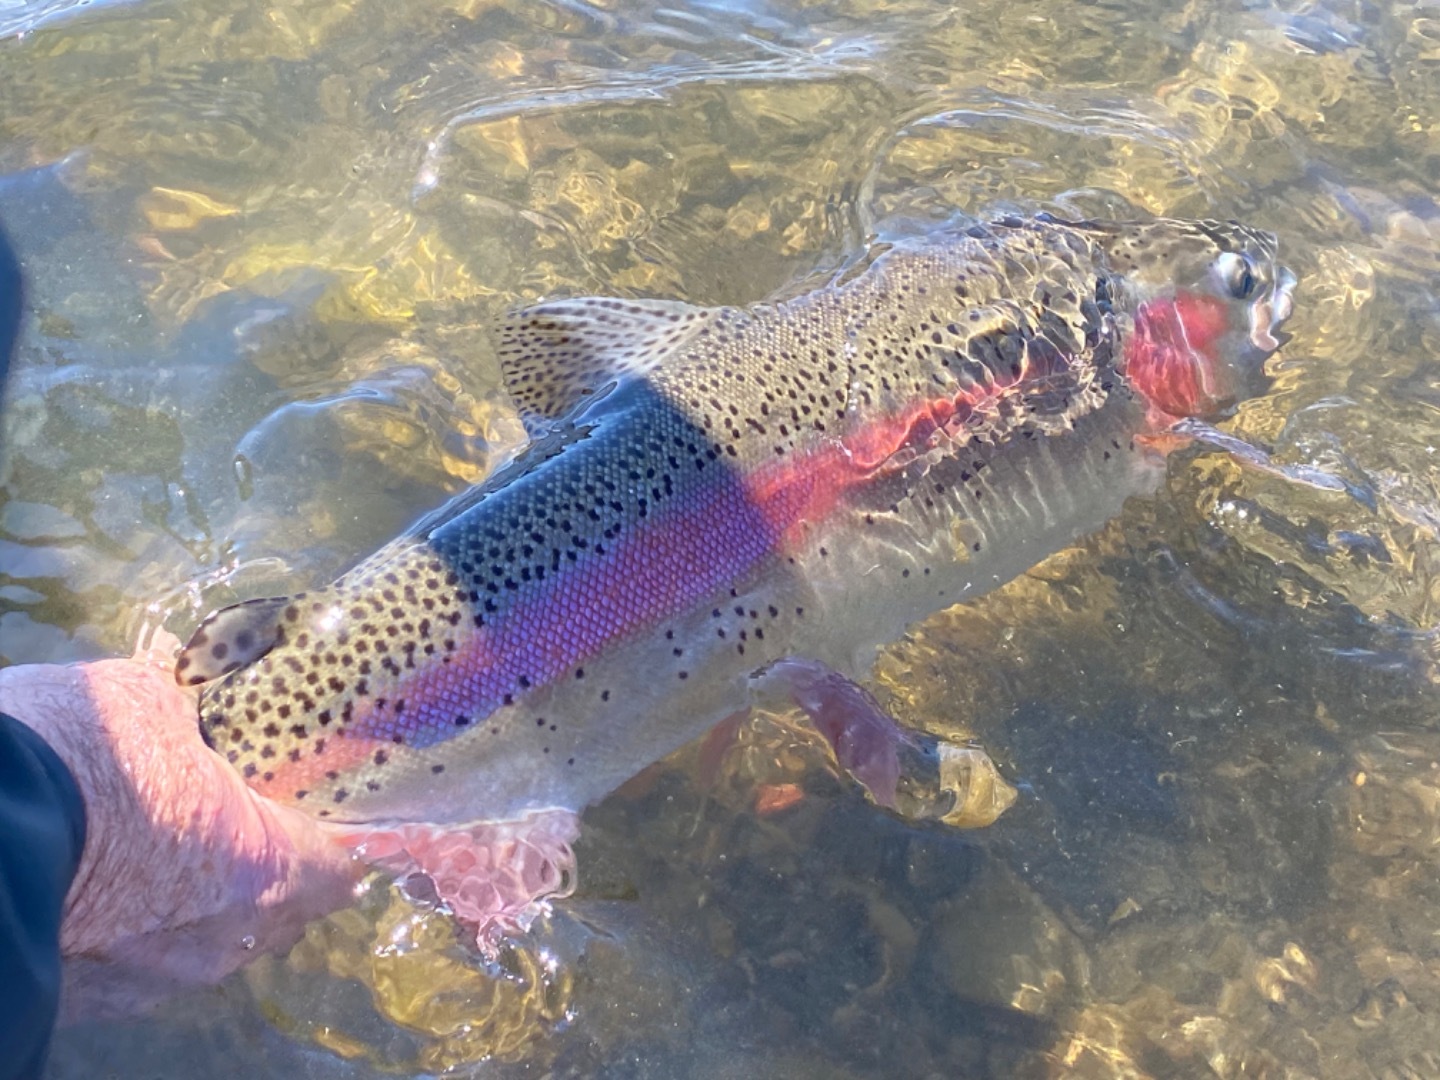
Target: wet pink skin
187, 874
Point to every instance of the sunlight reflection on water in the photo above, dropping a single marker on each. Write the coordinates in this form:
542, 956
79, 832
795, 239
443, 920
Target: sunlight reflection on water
21, 17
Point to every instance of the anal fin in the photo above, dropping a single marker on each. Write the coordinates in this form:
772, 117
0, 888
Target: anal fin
496, 877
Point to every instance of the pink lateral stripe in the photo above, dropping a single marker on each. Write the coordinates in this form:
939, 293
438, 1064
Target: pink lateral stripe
666, 565
795, 493
342, 753
662, 568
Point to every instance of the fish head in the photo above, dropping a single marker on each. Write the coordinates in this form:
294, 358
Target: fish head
1209, 300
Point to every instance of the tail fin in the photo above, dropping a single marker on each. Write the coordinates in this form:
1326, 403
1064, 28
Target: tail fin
235, 637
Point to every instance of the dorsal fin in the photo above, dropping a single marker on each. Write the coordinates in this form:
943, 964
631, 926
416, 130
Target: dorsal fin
557, 355
232, 638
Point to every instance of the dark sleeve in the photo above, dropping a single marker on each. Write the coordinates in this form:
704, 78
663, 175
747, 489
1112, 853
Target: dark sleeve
42, 832
11, 301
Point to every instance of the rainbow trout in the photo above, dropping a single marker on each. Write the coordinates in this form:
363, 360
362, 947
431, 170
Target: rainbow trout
713, 490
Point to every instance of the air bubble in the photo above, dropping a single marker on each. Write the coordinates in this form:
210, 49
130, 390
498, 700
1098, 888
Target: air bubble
244, 476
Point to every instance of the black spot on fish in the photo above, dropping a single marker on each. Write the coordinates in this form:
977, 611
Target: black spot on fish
437, 769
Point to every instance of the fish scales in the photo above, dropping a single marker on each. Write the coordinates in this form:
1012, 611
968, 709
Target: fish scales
713, 489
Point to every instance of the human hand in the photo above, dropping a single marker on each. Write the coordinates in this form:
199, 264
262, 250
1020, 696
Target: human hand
187, 874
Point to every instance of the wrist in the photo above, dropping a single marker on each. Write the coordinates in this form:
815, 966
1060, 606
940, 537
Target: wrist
44, 699
186, 873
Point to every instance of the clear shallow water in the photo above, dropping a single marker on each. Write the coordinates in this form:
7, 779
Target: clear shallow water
263, 242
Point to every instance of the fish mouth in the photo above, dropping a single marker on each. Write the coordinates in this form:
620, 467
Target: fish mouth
1269, 314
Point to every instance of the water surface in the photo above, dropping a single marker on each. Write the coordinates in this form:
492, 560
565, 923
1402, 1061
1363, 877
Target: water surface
264, 241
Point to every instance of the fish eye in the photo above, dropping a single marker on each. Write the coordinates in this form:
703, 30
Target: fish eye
1236, 273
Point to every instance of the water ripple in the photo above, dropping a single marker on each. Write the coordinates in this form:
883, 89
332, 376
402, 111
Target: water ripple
594, 88
21, 17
